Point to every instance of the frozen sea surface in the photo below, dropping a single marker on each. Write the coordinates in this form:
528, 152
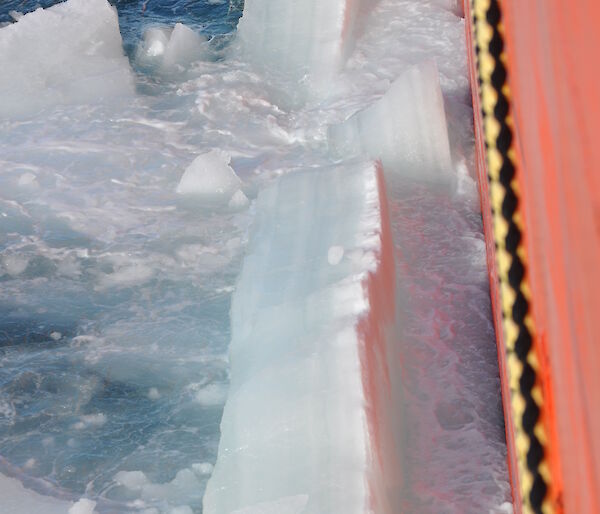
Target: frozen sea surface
116, 275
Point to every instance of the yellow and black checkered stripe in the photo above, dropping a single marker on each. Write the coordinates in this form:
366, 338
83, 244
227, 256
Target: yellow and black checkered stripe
526, 396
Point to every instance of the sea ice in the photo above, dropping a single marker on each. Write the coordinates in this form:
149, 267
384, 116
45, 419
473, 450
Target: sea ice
406, 128
335, 254
171, 48
83, 506
90, 421
211, 178
239, 200
70, 53
185, 486
185, 46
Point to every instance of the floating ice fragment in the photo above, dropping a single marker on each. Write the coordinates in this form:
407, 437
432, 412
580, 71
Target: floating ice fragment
133, 480
185, 46
153, 393
27, 179
30, 464
203, 468
504, 508
83, 506
154, 42
55, 336
210, 177
90, 421
126, 276
239, 200
212, 394
14, 264
170, 48
406, 128
335, 255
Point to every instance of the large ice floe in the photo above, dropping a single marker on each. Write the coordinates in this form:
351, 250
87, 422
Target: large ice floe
304, 326
280, 238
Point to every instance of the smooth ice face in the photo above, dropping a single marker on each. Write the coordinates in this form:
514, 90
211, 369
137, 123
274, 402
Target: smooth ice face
294, 432
307, 41
68, 54
406, 128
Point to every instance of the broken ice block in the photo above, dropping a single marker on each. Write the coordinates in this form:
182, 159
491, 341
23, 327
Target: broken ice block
70, 53
406, 128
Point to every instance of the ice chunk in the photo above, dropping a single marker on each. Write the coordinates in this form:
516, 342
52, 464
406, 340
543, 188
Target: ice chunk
406, 128
239, 200
15, 15
67, 54
185, 46
211, 395
133, 480
171, 48
335, 255
154, 42
298, 39
294, 436
153, 393
210, 177
27, 179
14, 264
203, 468
83, 506
90, 421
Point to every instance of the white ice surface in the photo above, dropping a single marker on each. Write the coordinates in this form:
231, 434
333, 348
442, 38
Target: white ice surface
294, 353
210, 177
68, 54
406, 128
171, 49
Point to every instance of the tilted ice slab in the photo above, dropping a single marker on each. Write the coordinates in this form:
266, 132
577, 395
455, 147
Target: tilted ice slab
302, 430
302, 40
67, 54
406, 128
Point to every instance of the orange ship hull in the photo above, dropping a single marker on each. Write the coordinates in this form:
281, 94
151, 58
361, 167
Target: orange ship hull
541, 57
